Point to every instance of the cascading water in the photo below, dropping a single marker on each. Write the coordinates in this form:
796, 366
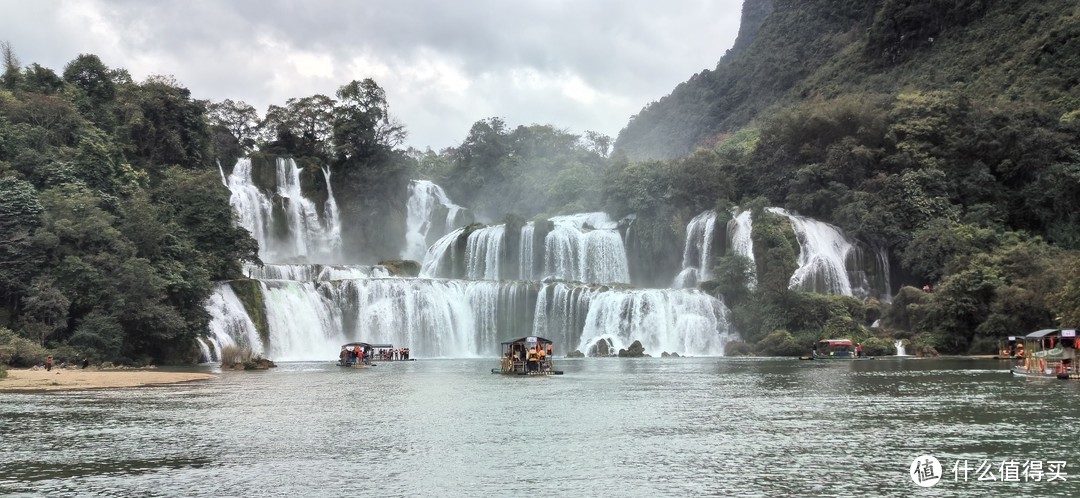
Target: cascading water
309, 310
440, 260
525, 256
832, 263
230, 325
314, 273
586, 248
583, 247
424, 197
484, 252
287, 225
829, 261
900, 350
739, 230
689, 322
697, 251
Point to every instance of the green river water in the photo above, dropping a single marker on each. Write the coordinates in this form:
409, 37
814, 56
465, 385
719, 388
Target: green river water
608, 427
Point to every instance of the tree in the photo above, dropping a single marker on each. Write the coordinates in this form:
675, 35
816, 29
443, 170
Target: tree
238, 117
12, 76
164, 126
362, 121
302, 128
20, 217
95, 86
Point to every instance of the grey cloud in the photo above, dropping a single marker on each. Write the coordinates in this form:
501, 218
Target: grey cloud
629, 52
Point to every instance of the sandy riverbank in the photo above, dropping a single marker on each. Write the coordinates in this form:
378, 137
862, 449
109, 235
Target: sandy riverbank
68, 379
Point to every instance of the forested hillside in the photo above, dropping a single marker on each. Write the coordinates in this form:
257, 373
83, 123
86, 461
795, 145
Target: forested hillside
1008, 50
944, 131
114, 222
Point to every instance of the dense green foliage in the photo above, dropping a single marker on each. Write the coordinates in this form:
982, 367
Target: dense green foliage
113, 222
945, 132
527, 171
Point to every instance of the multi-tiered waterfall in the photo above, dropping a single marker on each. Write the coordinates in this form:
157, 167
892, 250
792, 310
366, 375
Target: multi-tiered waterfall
289, 226
480, 285
830, 262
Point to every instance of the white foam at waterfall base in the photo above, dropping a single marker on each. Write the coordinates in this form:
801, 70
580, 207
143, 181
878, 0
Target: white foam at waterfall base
230, 325
687, 322
308, 321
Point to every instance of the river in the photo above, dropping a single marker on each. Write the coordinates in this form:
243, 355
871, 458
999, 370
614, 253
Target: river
608, 427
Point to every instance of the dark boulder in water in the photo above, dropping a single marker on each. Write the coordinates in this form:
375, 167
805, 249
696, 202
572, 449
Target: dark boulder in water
636, 350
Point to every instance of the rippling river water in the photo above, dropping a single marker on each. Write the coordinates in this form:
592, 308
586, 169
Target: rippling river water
608, 427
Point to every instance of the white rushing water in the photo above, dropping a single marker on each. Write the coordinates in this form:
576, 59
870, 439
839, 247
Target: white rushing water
829, 261
697, 251
686, 322
230, 325
307, 321
900, 350
525, 252
484, 253
424, 197
287, 225
311, 309
586, 247
583, 247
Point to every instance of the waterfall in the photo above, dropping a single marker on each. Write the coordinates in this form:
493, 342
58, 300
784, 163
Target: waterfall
309, 320
587, 248
560, 314
583, 247
484, 252
333, 217
525, 256
287, 225
314, 273
697, 251
230, 325
900, 351
832, 263
686, 322
462, 306
441, 257
424, 198
739, 230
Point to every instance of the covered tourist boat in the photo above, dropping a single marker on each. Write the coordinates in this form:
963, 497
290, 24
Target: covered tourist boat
1049, 354
362, 354
833, 349
1010, 348
526, 356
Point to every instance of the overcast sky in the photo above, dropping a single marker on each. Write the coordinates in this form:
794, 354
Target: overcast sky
445, 64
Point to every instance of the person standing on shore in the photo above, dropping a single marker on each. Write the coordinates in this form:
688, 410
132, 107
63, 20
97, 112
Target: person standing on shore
48, 363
